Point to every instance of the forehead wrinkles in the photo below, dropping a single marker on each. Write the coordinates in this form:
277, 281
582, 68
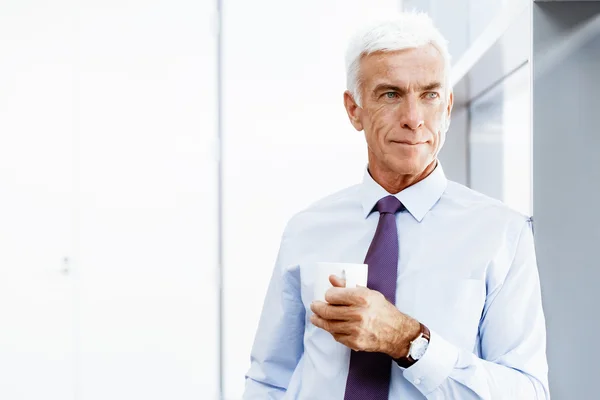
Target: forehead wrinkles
407, 76
419, 66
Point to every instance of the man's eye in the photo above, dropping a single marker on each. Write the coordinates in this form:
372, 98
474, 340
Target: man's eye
432, 95
391, 95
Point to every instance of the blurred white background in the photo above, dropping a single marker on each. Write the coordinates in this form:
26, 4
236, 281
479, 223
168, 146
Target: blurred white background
108, 257
109, 177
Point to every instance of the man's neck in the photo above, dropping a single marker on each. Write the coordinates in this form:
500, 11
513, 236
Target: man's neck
394, 183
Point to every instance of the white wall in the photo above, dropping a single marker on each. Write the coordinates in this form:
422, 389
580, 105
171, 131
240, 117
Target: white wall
36, 140
287, 140
147, 195
107, 133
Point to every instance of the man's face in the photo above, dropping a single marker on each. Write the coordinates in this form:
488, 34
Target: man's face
405, 106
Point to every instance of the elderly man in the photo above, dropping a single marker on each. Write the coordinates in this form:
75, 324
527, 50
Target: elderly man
452, 306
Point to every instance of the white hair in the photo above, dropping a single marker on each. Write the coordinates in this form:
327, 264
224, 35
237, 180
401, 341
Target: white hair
408, 30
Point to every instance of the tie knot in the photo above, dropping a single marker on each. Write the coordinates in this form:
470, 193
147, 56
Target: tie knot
389, 204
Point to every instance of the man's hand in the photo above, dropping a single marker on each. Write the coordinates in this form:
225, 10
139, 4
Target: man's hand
363, 320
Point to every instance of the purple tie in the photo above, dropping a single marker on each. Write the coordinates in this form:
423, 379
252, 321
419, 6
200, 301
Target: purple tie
369, 373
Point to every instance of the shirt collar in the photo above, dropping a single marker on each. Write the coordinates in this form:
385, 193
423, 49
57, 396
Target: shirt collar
418, 198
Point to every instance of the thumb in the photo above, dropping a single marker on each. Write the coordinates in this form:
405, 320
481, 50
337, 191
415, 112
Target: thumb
336, 281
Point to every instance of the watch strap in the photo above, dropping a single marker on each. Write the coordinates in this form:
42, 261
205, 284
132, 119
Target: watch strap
408, 361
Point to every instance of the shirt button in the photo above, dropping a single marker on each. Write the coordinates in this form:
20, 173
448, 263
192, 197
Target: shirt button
417, 381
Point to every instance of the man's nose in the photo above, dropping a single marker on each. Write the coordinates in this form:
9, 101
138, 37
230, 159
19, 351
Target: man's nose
411, 115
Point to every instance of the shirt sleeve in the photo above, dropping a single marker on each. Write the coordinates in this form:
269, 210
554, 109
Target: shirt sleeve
278, 344
512, 334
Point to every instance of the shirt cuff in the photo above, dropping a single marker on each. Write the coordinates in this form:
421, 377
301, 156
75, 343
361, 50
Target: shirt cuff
434, 367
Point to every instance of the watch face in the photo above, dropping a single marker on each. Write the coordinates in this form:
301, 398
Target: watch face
418, 348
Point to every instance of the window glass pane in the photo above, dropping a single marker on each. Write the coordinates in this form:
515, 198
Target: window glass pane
500, 142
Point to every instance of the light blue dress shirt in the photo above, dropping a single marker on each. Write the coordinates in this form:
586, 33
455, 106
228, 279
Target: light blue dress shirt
467, 270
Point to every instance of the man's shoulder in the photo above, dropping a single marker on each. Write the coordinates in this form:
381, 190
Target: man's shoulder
336, 205
463, 197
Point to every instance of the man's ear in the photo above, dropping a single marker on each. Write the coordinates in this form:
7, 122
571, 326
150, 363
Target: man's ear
450, 105
353, 110
448, 111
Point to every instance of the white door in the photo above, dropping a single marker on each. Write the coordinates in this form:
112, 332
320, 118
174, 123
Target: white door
147, 203
36, 214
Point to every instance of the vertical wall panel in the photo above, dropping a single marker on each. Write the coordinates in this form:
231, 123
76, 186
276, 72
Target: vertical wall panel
147, 247
566, 190
36, 224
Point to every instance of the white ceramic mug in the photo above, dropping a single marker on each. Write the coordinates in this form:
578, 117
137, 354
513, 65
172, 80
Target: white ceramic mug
355, 275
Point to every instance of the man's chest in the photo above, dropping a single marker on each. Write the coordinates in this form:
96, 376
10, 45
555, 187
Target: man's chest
441, 276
